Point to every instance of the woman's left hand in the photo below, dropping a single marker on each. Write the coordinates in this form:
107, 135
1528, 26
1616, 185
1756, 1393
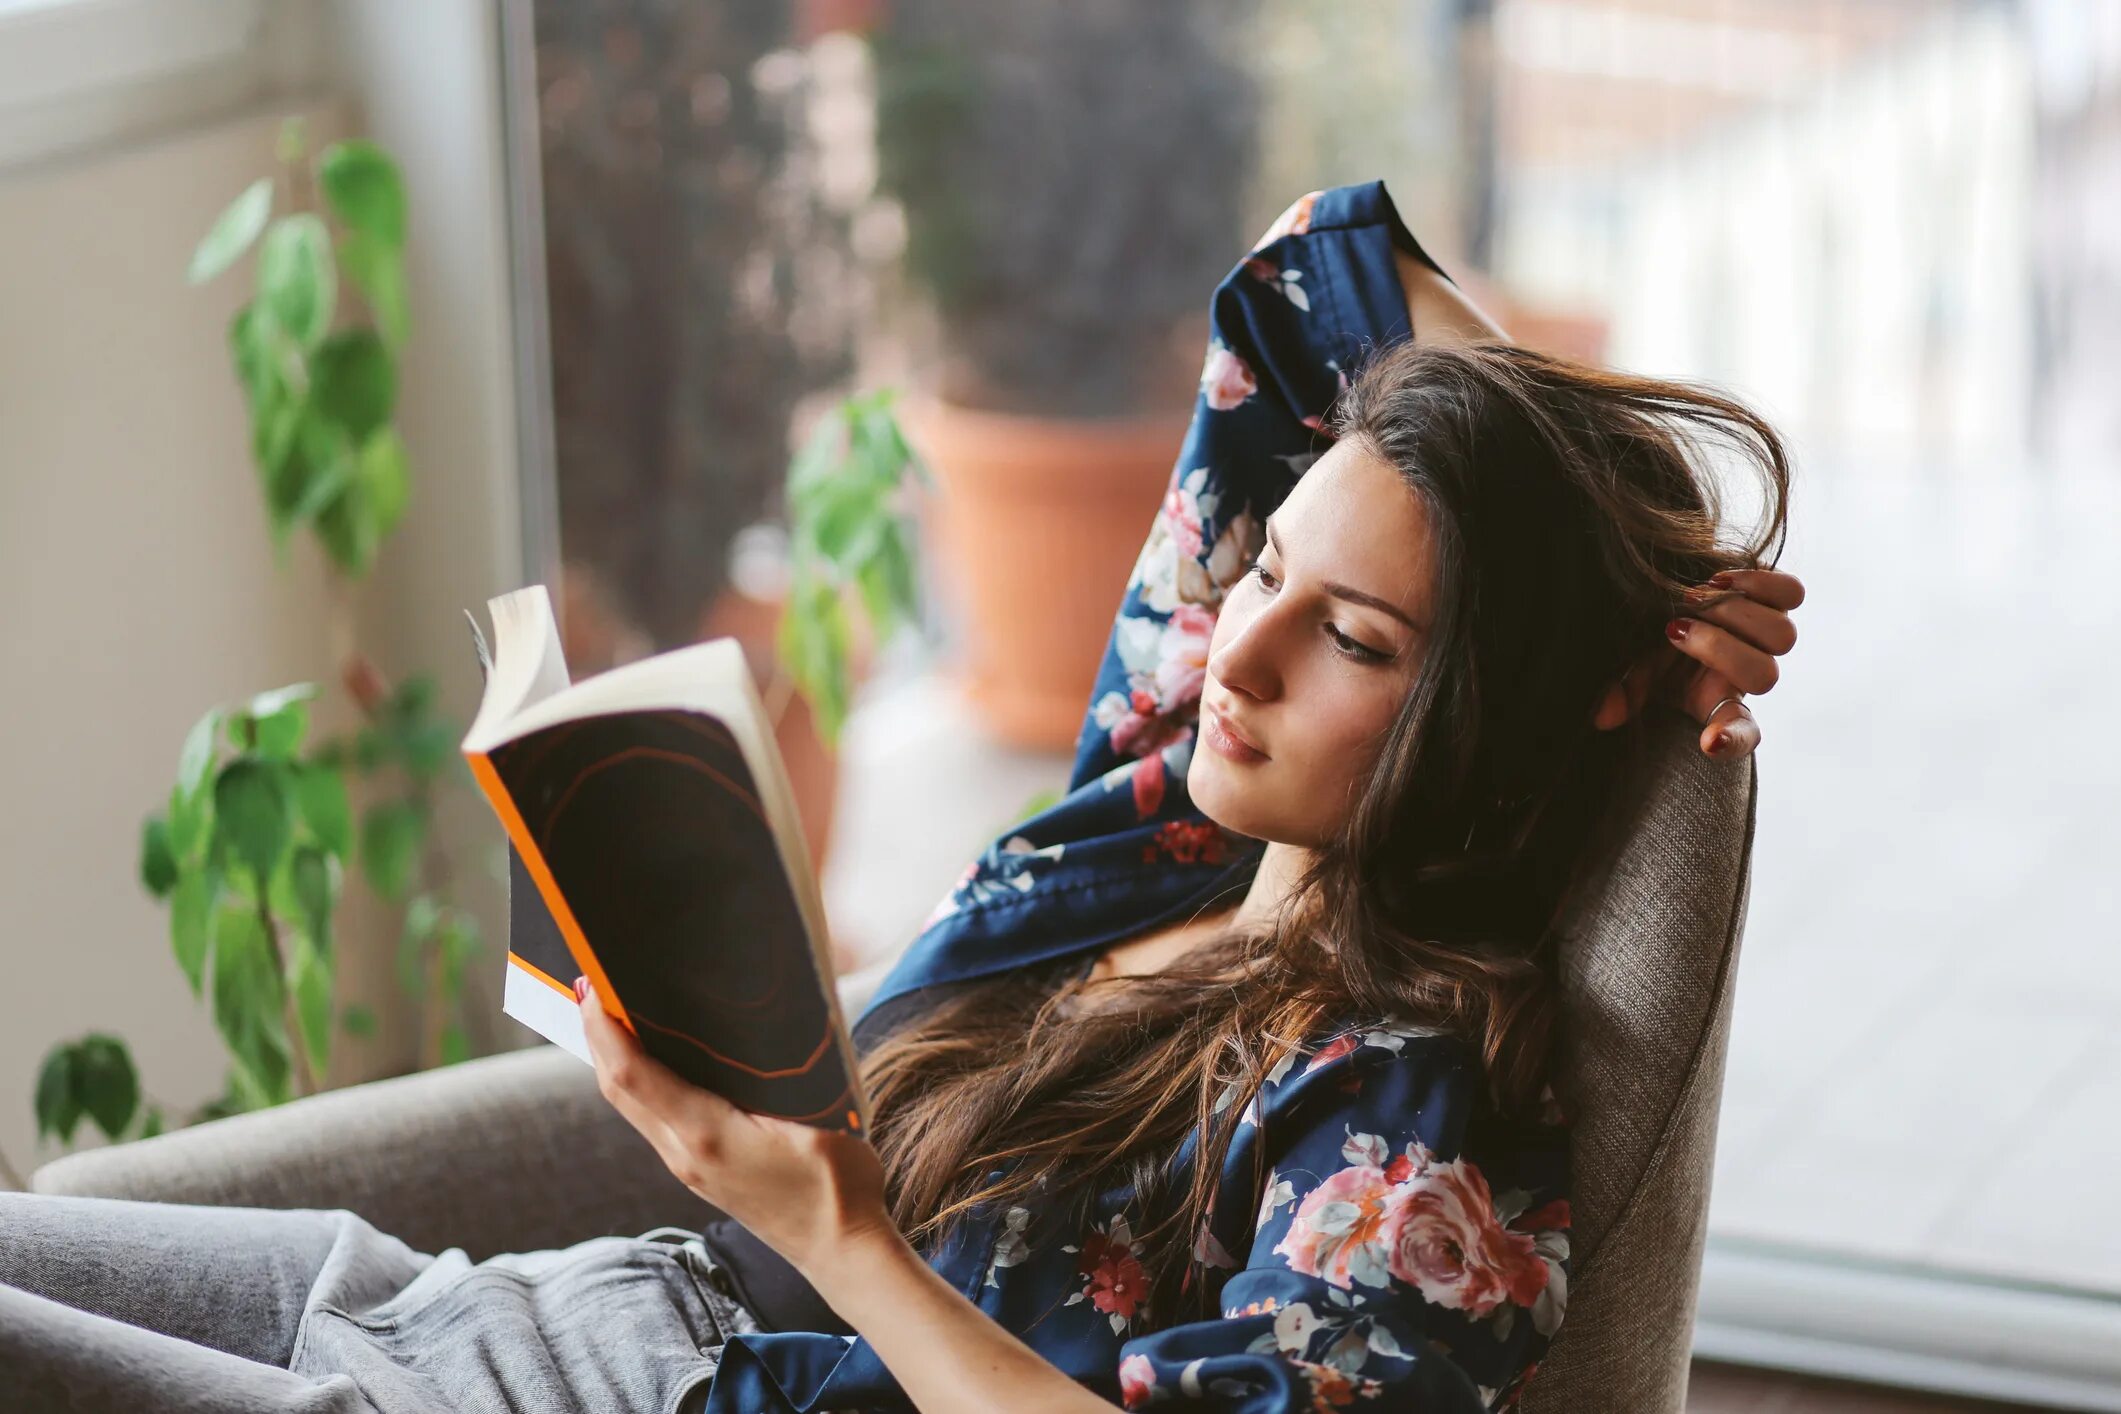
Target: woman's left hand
808, 1193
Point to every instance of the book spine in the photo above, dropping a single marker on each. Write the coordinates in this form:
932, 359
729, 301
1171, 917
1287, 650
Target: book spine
519, 835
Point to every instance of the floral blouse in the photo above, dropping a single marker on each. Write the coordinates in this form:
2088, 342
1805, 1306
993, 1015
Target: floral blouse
1410, 1250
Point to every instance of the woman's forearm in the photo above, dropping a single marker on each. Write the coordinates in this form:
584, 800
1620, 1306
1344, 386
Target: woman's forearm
946, 1353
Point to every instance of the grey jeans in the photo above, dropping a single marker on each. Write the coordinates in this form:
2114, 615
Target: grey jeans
114, 1305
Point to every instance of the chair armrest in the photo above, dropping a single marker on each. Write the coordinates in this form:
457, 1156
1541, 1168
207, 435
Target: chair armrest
514, 1152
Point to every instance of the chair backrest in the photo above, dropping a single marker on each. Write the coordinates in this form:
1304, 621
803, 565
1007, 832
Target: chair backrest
1648, 963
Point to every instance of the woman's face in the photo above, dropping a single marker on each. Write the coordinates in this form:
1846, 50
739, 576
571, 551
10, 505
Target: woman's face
1314, 650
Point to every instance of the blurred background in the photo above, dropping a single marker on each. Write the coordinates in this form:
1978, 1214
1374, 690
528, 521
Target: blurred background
586, 275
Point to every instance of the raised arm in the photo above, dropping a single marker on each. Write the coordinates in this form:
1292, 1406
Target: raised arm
1438, 311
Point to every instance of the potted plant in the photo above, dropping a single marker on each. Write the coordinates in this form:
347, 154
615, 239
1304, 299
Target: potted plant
1073, 181
251, 845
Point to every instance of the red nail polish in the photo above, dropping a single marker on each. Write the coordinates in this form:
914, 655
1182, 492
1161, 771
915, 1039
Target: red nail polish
1718, 742
1722, 579
1676, 630
581, 989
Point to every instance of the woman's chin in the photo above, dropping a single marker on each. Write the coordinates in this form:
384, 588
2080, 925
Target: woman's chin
1230, 804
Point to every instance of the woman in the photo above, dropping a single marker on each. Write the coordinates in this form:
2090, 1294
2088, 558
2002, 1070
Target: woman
1222, 1084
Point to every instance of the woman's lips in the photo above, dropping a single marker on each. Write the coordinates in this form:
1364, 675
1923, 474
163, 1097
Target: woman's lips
1225, 742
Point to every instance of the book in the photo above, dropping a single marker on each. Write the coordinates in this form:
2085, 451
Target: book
655, 848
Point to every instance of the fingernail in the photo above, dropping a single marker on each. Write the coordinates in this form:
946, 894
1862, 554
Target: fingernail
581, 989
1722, 579
1676, 630
1718, 742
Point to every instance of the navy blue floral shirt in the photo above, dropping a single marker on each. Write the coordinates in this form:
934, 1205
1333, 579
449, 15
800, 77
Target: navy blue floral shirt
1410, 1247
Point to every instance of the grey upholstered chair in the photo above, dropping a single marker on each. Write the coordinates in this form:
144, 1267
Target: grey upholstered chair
518, 1151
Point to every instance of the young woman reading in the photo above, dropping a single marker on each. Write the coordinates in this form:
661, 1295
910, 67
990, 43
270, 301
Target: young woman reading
1224, 1084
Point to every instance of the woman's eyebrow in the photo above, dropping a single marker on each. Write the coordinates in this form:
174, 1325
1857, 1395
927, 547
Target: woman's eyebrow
1352, 595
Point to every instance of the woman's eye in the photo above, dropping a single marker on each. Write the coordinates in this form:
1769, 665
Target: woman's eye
1360, 652
1256, 568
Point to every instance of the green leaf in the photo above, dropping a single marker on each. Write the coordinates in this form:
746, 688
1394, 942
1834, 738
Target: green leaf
248, 996
275, 438
265, 704
252, 353
197, 757
353, 381
186, 817
456, 1046
391, 835
158, 859
377, 270
107, 1083
275, 722
310, 985
813, 642
152, 1123
358, 1021
318, 465
298, 285
347, 530
191, 912
313, 879
253, 814
364, 189
320, 798
233, 231
58, 1098
385, 480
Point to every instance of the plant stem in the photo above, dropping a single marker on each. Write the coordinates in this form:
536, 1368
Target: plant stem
298, 1051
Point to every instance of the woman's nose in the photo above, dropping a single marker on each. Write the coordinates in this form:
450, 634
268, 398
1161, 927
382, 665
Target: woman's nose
1243, 659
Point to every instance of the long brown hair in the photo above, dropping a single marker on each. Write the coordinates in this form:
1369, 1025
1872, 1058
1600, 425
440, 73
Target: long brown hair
1574, 510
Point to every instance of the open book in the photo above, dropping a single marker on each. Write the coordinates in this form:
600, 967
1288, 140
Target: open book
654, 848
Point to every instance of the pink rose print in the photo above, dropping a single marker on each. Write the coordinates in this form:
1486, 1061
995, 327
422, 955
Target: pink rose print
1332, 1051
1333, 1388
1334, 1235
1187, 842
1183, 665
1182, 512
1116, 1283
1137, 1381
1441, 1236
1148, 786
1226, 379
1166, 665
1177, 564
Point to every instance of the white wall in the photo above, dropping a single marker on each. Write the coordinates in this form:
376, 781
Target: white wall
136, 581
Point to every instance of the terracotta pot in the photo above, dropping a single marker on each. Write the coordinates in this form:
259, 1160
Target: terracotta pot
1039, 522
